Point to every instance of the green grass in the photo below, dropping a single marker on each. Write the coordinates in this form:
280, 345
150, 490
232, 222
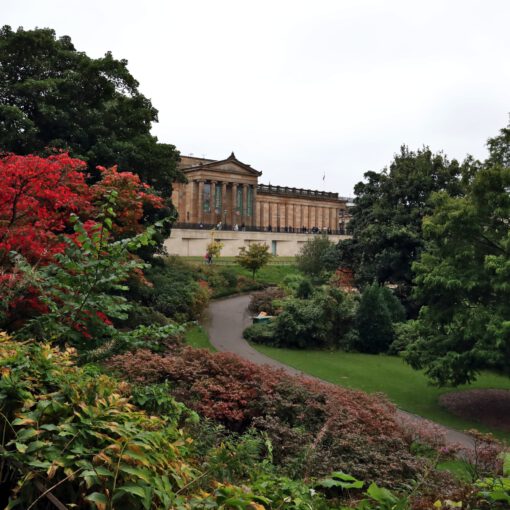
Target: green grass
227, 261
196, 336
268, 275
458, 467
406, 387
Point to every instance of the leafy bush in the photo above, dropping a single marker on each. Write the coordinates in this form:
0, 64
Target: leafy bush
140, 315
324, 320
314, 428
314, 256
71, 435
304, 289
229, 276
262, 333
263, 301
378, 310
173, 288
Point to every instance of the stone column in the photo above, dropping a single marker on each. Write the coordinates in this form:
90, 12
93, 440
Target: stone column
212, 214
244, 216
254, 216
235, 217
200, 212
224, 203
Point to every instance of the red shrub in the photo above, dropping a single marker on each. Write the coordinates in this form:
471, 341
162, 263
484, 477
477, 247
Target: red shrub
314, 427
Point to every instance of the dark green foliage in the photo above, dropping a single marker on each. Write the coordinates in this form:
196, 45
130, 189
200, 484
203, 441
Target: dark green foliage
172, 289
304, 290
140, 315
52, 96
378, 310
325, 320
261, 333
387, 217
462, 279
229, 276
315, 256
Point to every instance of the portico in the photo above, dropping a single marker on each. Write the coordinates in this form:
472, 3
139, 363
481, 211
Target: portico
228, 192
217, 191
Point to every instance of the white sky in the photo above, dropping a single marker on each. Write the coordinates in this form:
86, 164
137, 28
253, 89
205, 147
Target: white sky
298, 89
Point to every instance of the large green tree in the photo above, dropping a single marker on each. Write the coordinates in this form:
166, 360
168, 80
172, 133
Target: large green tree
387, 216
53, 96
463, 280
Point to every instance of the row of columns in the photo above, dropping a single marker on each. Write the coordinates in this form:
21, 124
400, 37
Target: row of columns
228, 212
296, 216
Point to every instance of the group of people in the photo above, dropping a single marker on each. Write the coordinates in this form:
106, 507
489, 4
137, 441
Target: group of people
269, 228
304, 230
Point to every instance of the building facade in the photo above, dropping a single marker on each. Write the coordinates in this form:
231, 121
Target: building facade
223, 200
227, 192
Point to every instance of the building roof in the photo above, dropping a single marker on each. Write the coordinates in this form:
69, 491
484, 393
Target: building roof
211, 164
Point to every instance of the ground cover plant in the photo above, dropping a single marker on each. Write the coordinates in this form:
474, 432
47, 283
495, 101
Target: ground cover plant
385, 374
314, 428
71, 437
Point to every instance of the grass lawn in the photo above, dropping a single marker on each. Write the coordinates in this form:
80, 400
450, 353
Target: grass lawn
196, 336
406, 387
269, 275
227, 261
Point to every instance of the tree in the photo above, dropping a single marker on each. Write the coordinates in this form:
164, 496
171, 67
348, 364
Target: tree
253, 258
52, 96
378, 310
61, 239
463, 281
387, 217
214, 249
314, 256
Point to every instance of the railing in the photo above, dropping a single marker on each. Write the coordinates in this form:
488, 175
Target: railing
268, 229
300, 192
285, 190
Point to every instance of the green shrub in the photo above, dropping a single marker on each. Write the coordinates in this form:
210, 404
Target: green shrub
304, 289
173, 288
264, 301
140, 315
314, 255
378, 310
326, 320
229, 276
262, 333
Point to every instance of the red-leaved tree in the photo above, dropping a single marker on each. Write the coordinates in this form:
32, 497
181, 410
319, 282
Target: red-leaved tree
43, 202
37, 197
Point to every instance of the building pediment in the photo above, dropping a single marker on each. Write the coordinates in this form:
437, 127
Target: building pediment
230, 165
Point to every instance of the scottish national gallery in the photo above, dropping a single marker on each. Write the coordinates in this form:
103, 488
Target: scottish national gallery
223, 199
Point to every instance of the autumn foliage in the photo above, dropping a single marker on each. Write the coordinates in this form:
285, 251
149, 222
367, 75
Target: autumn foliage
314, 427
41, 201
37, 198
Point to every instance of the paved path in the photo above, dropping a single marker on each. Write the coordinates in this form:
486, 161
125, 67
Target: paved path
226, 320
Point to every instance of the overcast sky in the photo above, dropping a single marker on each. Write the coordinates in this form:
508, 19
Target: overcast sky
302, 89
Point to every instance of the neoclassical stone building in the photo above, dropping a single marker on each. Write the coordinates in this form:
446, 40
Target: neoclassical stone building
223, 200
228, 191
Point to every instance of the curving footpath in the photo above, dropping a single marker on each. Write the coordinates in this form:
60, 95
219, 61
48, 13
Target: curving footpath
226, 320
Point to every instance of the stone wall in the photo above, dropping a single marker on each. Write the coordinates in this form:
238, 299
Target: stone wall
193, 242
